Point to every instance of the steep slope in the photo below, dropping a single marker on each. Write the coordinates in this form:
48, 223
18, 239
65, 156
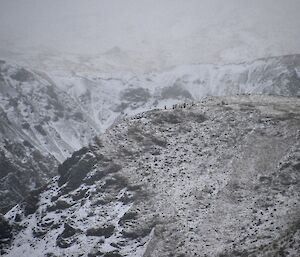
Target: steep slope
49, 118
22, 166
39, 127
220, 178
57, 114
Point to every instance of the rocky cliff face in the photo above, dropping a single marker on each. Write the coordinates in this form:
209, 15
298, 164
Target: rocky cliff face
43, 114
40, 126
23, 166
220, 178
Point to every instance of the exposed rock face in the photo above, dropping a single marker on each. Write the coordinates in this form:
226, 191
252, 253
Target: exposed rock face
38, 111
5, 233
223, 180
22, 167
32, 141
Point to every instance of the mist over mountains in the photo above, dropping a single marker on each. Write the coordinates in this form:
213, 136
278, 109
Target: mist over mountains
141, 36
144, 128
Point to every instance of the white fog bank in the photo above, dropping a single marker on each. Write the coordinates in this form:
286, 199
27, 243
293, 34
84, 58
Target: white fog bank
143, 35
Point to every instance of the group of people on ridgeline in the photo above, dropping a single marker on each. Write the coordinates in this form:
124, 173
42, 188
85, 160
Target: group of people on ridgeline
181, 106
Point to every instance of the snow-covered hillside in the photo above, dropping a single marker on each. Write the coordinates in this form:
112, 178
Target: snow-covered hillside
40, 126
22, 166
48, 117
220, 178
56, 114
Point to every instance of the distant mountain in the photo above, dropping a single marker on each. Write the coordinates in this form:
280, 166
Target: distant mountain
219, 178
56, 114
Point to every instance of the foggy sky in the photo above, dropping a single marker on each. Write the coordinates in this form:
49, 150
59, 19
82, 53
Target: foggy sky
149, 34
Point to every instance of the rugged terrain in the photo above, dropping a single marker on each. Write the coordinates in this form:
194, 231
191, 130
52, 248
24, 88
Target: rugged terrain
33, 139
60, 112
23, 167
219, 178
46, 117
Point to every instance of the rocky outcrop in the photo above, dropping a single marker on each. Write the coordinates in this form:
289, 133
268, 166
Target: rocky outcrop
22, 168
5, 233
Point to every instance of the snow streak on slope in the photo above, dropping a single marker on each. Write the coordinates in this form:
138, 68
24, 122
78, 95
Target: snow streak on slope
220, 178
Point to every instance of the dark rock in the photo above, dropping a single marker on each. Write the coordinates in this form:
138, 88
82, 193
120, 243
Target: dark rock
63, 169
79, 195
25, 125
169, 117
112, 254
296, 166
27, 144
5, 231
59, 205
18, 217
108, 169
286, 179
265, 180
65, 240
47, 223
95, 254
199, 118
159, 142
135, 233
39, 232
78, 116
176, 92
116, 181
135, 95
68, 231
31, 202
128, 216
22, 75
40, 129
6, 166
107, 231
50, 255
62, 243
121, 107
74, 170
